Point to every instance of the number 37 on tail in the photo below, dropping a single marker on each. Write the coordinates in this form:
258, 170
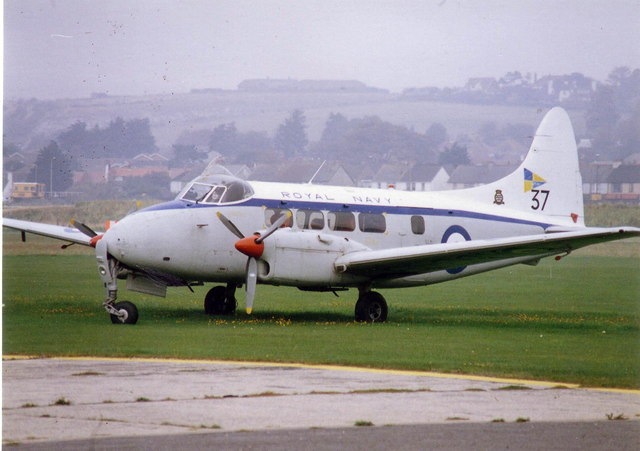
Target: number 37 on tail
238, 233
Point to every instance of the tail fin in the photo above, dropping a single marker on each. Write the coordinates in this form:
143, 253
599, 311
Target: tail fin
548, 181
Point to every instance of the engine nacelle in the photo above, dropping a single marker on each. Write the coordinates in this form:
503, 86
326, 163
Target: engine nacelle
305, 259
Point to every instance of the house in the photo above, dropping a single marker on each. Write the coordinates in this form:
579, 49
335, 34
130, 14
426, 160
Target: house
634, 158
624, 184
424, 177
181, 180
241, 171
327, 173
466, 176
146, 160
389, 175
594, 179
486, 85
27, 190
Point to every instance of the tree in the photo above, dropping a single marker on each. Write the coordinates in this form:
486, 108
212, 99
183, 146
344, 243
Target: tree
628, 133
372, 139
223, 139
155, 186
120, 139
455, 154
601, 118
239, 147
74, 139
186, 155
291, 137
53, 168
435, 135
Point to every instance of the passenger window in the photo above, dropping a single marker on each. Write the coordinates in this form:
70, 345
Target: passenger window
310, 219
341, 221
271, 215
417, 225
371, 222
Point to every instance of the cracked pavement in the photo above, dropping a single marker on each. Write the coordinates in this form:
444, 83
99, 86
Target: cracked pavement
67, 399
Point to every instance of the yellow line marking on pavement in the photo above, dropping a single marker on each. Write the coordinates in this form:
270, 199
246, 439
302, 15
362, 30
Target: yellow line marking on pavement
355, 369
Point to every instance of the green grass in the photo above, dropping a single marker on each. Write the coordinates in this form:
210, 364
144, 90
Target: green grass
573, 321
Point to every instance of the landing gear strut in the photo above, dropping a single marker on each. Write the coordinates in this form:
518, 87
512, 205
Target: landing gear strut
221, 300
371, 307
124, 312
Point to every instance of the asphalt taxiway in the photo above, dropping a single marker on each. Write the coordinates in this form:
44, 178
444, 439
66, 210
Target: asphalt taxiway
107, 403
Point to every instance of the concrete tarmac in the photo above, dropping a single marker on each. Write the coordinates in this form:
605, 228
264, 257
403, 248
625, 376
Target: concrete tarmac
53, 400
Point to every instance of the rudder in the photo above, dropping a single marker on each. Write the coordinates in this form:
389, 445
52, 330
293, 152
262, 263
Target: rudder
548, 182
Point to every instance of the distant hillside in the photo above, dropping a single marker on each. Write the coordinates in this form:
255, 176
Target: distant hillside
30, 124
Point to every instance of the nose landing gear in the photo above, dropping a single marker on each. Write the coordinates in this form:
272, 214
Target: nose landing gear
127, 313
124, 312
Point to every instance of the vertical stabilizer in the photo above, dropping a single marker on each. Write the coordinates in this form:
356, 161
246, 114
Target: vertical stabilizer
548, 182
8, 189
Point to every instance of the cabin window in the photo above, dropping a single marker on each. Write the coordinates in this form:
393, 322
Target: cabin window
271, 215
371, 222
310, 219
341, 221
417, 225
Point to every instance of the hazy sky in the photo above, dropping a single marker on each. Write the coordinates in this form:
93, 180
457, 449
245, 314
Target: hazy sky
72, 48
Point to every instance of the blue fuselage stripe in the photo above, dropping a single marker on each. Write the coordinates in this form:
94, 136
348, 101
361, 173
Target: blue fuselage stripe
356, 208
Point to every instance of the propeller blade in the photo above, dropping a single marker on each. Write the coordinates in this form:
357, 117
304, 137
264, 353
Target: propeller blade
230, 225
83, 228
275, 226
252, 279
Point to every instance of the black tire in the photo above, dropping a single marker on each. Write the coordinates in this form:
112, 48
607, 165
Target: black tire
371, 308
216, 302
131, 313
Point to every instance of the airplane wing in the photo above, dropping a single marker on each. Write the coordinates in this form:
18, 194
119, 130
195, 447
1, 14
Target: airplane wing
407, 261
68, 234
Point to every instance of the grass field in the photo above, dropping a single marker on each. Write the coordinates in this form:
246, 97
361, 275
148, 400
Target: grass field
577, 320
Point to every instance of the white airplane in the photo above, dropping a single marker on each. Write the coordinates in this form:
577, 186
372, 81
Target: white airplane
327, 238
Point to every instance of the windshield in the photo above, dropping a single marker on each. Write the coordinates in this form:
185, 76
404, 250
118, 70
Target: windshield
217, 189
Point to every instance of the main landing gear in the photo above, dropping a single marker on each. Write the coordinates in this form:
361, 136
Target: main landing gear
221, 300
371, 307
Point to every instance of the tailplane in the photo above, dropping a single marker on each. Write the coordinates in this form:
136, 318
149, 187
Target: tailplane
548, 181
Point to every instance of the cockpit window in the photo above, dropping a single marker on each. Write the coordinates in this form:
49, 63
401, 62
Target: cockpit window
197, 192
217, 189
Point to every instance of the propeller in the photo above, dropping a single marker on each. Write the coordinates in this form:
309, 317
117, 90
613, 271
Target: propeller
83, 228
87, 231
253, 247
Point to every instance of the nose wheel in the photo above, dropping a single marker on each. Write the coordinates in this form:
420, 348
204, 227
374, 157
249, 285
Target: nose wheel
124, 312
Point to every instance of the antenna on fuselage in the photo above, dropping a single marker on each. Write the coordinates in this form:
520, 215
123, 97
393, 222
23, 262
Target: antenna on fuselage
316, 173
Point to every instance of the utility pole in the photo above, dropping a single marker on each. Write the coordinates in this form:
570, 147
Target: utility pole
51, 178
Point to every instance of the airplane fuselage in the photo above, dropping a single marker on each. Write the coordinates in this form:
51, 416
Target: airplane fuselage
184, 238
